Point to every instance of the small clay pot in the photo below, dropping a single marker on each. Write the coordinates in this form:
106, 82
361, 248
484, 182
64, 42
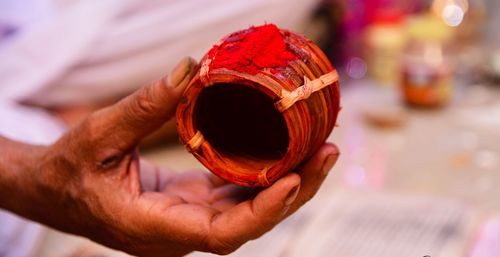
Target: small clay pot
251, 129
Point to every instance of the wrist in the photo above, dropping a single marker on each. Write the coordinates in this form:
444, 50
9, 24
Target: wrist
18, 167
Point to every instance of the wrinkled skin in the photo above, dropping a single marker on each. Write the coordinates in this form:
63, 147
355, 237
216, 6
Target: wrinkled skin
92, 183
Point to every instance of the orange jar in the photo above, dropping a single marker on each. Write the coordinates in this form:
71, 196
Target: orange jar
263, 101
426, 79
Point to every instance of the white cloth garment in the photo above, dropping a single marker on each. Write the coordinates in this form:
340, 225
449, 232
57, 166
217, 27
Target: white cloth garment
114, 46
66, 52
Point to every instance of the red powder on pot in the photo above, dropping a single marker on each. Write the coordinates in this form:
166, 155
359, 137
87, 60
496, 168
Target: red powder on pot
252, 50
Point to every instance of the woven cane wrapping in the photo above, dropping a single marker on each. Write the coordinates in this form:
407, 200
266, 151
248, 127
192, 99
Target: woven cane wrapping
306, 92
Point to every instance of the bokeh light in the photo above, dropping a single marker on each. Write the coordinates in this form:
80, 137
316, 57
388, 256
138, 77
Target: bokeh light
356, 68
452, 15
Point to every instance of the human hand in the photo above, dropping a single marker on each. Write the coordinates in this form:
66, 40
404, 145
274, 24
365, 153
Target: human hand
92, 183
230, 215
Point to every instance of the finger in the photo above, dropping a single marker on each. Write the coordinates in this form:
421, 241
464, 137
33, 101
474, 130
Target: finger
250, 219
313, 173
141, 113
149, 175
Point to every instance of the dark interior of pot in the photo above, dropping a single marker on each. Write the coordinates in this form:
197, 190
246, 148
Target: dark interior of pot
241, 123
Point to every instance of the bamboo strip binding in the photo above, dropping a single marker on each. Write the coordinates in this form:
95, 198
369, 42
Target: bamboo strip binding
262, 177
195, 142
303, 92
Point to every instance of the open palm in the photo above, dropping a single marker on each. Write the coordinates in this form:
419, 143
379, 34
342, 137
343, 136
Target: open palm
223, 216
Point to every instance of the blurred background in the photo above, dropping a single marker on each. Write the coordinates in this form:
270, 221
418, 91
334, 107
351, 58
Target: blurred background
419, 131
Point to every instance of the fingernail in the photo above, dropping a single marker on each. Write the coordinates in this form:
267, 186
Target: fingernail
290, 198
329, 162
180, 72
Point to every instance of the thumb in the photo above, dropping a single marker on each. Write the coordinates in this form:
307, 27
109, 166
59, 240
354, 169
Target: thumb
125, 123
252, 218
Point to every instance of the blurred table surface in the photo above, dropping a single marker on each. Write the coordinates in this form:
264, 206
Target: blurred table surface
452, 152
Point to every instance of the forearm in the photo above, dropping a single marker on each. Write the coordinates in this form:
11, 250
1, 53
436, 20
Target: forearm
40, 183
19, 164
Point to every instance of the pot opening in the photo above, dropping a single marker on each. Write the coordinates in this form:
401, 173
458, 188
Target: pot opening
241, 123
